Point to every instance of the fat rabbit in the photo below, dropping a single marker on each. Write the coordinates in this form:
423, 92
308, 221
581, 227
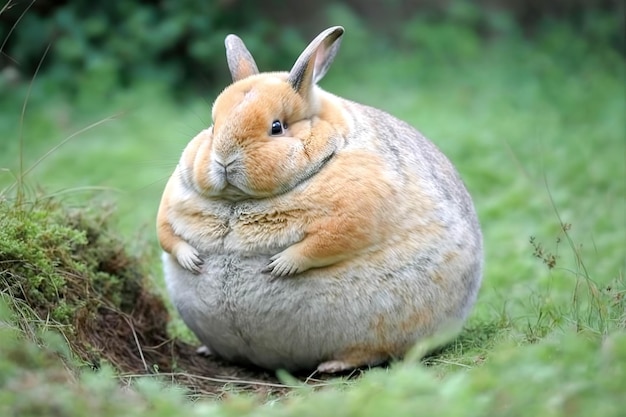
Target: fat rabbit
305, 231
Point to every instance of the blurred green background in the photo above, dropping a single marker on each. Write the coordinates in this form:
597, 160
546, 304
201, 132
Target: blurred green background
180, 42
525, 97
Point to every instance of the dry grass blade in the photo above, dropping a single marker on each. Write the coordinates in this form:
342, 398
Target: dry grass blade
232, 381
23, 173
6, 7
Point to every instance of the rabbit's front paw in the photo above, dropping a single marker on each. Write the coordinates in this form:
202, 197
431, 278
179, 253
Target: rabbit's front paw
288, 262
188, 257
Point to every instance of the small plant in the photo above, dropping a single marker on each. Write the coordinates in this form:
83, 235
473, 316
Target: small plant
591, 308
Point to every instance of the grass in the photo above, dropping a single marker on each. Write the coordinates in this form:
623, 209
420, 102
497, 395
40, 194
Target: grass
536, 131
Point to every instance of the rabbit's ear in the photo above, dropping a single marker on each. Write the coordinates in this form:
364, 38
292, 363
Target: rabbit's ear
240, 61
313, 63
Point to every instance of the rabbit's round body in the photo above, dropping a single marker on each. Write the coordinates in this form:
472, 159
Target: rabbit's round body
335, 238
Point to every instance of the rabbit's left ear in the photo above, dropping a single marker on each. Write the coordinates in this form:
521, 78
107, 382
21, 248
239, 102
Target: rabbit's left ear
314, 61
240, 61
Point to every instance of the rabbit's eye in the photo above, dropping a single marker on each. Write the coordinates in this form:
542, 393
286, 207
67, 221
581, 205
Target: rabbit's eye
278, 128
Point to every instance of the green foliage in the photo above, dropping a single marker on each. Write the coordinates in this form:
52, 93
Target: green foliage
35, 381
547, 379
34, 250
101, 46
43, 246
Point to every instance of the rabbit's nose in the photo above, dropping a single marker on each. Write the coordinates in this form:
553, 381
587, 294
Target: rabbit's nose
224, 168
226, 171
224, 161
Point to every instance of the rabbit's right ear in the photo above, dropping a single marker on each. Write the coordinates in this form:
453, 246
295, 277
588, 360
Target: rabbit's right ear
240, 61
314, 61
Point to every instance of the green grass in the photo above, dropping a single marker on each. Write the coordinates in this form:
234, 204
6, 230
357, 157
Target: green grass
537, 132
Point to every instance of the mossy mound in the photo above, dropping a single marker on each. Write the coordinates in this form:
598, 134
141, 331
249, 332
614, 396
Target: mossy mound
65, 268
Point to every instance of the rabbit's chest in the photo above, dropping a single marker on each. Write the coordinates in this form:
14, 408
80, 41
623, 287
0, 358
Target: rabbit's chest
265, 231
246, 230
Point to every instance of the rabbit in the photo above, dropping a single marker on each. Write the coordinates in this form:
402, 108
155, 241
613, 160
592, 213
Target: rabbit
303, 231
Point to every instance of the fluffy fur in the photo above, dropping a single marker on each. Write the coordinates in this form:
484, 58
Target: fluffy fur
337, 243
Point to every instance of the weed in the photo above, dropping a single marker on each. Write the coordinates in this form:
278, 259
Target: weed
590, 309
